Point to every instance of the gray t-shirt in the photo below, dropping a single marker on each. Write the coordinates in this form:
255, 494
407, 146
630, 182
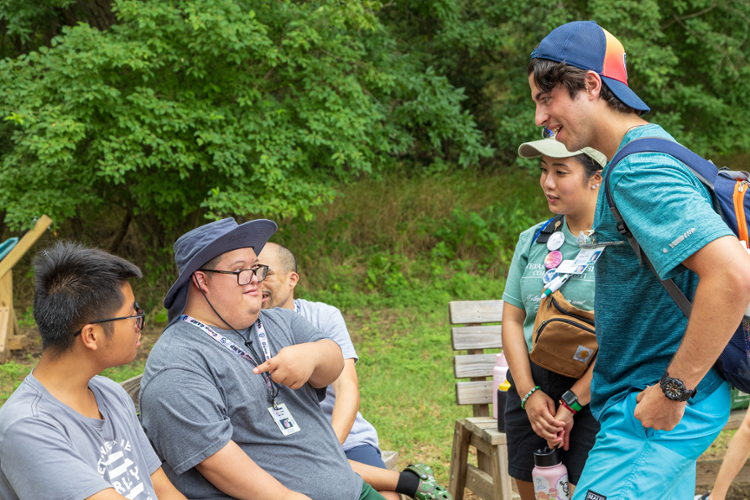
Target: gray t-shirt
49, 450
196, 396
329, 320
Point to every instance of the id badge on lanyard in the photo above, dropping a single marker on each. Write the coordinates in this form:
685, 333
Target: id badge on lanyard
279, 412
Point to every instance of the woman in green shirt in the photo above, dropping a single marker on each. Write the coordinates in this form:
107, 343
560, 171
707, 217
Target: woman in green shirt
570, 182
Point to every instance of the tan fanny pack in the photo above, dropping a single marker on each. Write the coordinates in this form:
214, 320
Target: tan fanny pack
564, 337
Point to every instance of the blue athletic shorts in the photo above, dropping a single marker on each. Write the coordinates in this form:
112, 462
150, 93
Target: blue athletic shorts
629, 461
366, 454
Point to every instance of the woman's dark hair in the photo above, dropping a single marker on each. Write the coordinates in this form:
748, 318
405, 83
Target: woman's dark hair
549, 74
74, 285
590, 166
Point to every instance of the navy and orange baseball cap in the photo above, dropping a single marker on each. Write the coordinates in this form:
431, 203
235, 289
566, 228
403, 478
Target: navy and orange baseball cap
586, 45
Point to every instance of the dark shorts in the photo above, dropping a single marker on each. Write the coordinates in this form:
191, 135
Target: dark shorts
366, 454
523, 441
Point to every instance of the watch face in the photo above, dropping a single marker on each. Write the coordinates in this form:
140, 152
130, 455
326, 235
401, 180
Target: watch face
569, 398
673, 388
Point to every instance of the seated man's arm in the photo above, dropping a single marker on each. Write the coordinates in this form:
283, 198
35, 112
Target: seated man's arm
162, 487
319, 363
237, 475
345, 409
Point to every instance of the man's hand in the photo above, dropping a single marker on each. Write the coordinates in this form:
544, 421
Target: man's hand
292, 366
656, 411
540, 408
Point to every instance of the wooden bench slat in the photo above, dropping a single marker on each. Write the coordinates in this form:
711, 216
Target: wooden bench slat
476, 311
474, 365
474, 393
477, 337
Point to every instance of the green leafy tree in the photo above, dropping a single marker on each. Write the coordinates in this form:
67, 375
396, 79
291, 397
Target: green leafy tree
217, 107
688, 59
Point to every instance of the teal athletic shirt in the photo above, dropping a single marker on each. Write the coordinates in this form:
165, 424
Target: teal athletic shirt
638, 325
523, 288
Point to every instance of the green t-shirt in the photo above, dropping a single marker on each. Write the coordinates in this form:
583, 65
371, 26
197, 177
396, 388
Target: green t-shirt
524, 285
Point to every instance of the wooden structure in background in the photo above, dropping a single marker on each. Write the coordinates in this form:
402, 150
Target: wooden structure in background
10, 335
489, 480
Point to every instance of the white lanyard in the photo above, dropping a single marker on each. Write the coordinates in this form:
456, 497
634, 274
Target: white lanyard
296, 307
228, 344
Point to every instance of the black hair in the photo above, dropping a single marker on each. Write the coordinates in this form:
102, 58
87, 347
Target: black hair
590, 166
286, 258
74, 285
549, 74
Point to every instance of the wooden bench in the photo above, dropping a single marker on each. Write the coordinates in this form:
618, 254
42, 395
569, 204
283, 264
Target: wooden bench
489, 479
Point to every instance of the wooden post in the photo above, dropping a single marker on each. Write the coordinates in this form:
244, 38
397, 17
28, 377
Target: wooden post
10, 333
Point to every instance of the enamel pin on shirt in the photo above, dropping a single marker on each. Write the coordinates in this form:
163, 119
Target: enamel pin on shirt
284, 419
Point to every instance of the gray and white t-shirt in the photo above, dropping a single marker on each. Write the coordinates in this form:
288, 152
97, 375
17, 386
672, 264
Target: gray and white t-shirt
196, 396
49, 450
328, 319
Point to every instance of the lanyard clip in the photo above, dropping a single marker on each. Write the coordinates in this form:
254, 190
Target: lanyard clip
275, 404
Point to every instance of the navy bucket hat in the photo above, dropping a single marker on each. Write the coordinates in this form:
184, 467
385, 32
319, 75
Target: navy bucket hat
586, 45
197, 247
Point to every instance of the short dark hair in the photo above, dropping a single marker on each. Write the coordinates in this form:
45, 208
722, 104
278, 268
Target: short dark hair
549, 74
73, 285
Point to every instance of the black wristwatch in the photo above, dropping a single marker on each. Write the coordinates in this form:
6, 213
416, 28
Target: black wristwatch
674, 389
570, 399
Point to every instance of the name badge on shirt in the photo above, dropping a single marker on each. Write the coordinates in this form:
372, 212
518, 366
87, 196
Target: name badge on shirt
284, 419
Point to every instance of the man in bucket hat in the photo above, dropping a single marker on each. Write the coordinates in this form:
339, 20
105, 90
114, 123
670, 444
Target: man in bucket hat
229, 396
654, 391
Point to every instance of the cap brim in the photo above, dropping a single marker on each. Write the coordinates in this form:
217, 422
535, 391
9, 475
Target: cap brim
253, 234
555, 149
626, 94
546, 147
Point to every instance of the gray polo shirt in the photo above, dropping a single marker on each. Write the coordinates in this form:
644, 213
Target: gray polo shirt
196, 395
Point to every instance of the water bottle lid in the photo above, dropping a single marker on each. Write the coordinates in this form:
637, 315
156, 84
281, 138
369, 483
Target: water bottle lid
547, 457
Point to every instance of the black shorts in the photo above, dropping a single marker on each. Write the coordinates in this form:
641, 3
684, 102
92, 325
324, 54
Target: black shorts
523, 441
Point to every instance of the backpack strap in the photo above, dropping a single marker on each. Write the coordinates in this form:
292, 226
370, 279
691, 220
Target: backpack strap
704, 170
544, 232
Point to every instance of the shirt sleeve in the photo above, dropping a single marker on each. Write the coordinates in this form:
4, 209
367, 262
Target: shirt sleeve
512, 293
39, 461
335, 328
186, 431
303, 331
667, 209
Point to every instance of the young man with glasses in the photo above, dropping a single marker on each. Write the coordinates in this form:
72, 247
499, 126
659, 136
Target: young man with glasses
230, 395
66, 432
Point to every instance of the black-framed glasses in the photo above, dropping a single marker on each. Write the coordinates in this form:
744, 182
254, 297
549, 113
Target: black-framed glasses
139, 316
244, 276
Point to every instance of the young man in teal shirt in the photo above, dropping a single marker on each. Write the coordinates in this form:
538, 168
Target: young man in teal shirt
649, 438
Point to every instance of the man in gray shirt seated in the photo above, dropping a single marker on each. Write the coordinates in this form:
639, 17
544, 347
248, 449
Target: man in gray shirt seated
358, 437
65, 432
230, 395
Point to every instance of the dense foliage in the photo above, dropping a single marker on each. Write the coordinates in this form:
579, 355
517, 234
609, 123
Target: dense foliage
165, 112
226, 106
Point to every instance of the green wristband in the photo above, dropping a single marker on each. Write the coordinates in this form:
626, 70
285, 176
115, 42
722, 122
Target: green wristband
532, 391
